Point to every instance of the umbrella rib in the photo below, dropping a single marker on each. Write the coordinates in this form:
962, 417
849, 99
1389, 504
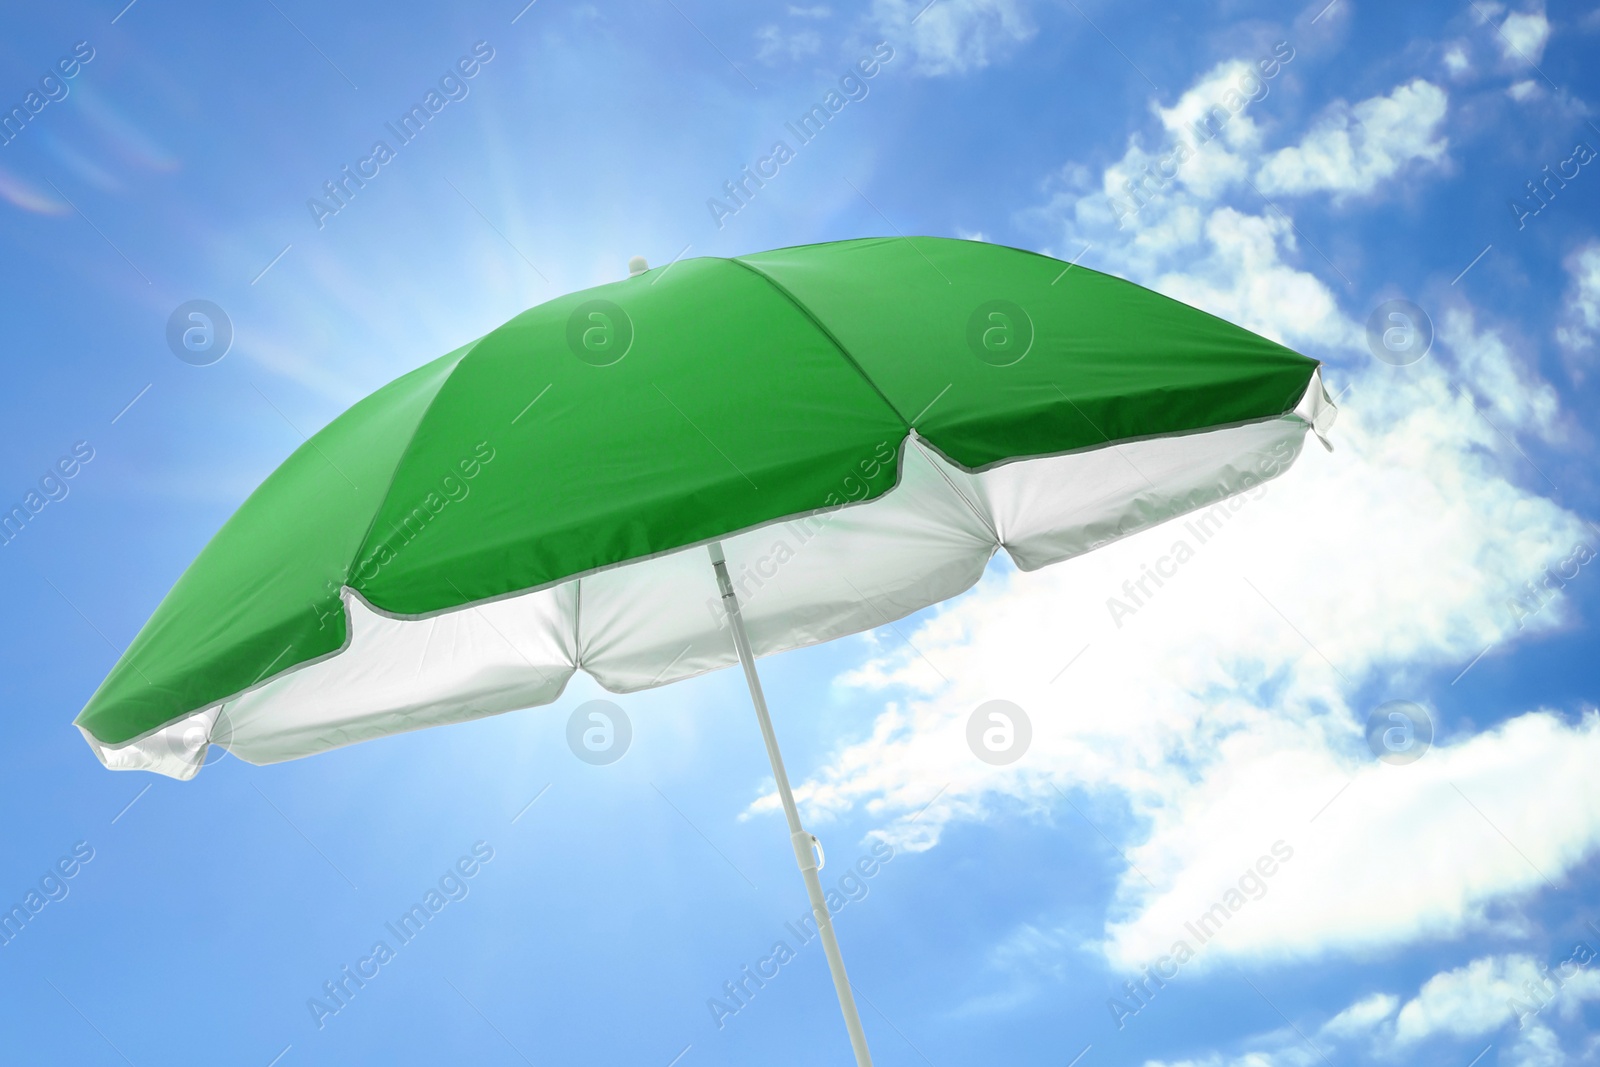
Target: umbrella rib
577, 623
956, 489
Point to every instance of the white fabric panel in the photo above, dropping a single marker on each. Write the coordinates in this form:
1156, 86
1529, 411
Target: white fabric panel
649, 623
398, 674
1047, 510
177, 750
800, 583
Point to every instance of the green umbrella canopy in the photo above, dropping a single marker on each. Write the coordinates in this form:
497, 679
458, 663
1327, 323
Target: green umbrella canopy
862, 424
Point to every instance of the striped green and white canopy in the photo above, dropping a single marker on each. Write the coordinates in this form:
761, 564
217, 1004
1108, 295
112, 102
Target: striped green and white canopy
861, 424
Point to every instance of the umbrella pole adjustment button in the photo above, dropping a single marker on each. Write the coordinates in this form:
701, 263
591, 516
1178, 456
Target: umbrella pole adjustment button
808, 851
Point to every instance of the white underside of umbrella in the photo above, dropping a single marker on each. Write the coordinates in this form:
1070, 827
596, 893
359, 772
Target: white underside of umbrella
798, 582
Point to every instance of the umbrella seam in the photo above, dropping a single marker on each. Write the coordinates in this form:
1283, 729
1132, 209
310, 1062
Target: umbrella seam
823, 329
411, 440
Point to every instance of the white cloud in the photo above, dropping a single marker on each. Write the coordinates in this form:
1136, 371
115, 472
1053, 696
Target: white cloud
1361, 1017
1158, 215
1354, 149
1222, 716
1456, 62
1581, 314
1467, 1002
1221, 729
1249, 1059
1524, 34
1370, 871
1538, 1046
1490, 993
1216, 108
1515, 394
1525, 90
952, 36
816, 12
778, 43
1243, 278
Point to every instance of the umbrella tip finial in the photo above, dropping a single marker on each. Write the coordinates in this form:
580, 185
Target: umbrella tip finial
637, 266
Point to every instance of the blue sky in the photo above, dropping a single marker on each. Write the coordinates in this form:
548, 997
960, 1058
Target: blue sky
1379, 160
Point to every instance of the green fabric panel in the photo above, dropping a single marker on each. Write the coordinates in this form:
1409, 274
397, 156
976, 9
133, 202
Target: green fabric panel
728, 409
684, 404
1108, 360
263, 595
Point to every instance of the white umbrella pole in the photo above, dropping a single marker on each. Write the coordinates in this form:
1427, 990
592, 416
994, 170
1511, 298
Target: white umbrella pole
802, 841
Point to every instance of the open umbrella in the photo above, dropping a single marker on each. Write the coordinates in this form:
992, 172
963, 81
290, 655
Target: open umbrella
852, 429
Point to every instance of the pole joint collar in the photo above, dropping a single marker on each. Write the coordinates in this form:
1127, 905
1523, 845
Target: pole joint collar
808, 851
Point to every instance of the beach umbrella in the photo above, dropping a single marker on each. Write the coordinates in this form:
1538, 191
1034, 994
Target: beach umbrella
699, 465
